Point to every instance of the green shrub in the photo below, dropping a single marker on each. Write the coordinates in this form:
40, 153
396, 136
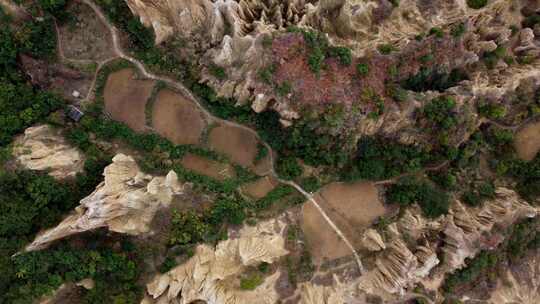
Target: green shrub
492, 58
440, 112
492, 111
262, 152
362, 69
531, 21
477, 266
315, 60
525, 236
444, 179
187, 228
217, 72
288, 168
426, 58
284, 88
437, 32
479, 193
433, 79
267, 73
458, 30
379, 158
386, 49
311, 184
407, 191
477, 4
342, 53
119, 13
397, 93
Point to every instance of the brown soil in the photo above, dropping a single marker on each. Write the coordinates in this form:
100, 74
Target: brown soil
352, 207
125, 98
263, 166
56, 76
323, 243
259, 188
527, 141
177, 118
238, 144
338, 83
86, 37
208, 167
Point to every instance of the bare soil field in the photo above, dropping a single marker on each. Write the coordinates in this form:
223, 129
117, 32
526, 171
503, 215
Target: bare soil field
238, 144
352, 207
176, 118
86, 37
527, 141
259, 188
208, 167
263, 166
323, 243
125, 98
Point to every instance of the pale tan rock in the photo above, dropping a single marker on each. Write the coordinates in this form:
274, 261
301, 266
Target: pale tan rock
43, 148
210, 273
125, 202
398, 268
86, 283
523, 289
317, 294
372, 240
260, 103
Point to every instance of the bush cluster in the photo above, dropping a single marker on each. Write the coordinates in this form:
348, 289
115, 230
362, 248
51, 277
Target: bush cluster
433, 79
477, 4
433, 201
378, 158
440, 113
320, 49
41, 272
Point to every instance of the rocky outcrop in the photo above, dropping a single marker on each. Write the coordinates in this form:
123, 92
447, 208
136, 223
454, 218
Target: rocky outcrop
124, 202
464, 227
519, 286
409, 258
318, 294
398, 268
372, 240
212, 274
43, 148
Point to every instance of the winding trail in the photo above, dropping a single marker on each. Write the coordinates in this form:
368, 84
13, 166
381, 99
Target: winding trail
117, 49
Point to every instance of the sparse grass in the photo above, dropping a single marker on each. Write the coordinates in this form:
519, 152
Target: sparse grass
284, 88
251, 282
266, 74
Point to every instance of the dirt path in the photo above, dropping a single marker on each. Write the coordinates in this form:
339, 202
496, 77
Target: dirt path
120, 53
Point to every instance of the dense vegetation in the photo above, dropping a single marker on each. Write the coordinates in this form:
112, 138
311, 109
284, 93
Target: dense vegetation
432, 200
32, 201
378, 158
37, 273
476, 4
21, 105
433, 79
